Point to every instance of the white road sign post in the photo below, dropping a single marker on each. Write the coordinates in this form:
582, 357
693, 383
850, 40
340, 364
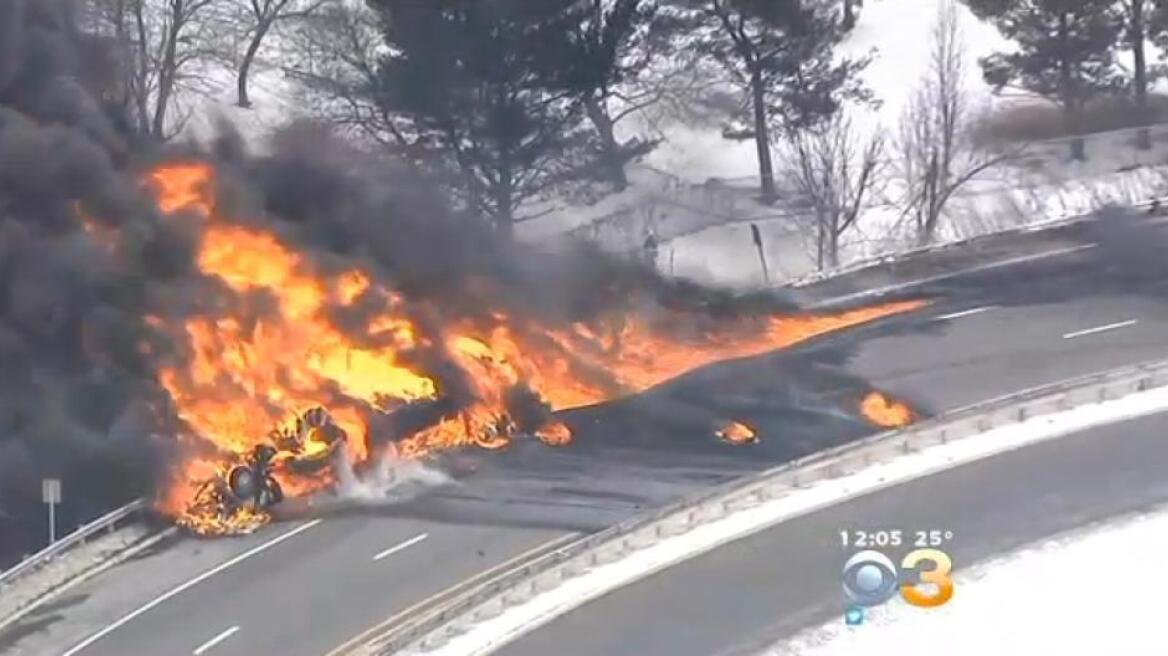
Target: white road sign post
51, 495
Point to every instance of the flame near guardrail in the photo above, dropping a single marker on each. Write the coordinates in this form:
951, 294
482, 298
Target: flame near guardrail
434, 626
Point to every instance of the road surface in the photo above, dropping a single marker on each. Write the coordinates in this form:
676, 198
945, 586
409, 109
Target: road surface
751, 593
306, 585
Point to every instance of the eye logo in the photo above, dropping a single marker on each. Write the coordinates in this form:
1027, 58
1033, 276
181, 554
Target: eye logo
870, 578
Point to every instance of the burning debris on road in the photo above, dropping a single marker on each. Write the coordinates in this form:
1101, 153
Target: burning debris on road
479, 368
886, 412
157, 320
736, 432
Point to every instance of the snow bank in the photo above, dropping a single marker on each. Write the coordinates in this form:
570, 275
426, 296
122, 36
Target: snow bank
1066, 595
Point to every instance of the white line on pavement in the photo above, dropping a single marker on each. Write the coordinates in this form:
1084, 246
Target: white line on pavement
888, 289
178, 589
449, 593
1100, 329
964, 313
207, 646
404, 545
487, 636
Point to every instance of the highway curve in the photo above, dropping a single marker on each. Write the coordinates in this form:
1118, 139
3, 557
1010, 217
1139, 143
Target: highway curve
1094, 301
764, 588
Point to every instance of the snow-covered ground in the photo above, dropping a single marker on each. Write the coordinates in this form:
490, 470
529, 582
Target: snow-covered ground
898, 35
1097, 591
696, 191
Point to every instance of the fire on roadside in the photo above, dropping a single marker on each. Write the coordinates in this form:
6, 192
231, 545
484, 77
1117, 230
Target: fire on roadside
243, 373
736, 432
886, 412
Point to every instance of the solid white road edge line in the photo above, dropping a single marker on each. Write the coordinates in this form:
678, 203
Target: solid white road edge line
485, 637
888, 289
1100, 329
964, 313
404, 545
207, 646
178, 589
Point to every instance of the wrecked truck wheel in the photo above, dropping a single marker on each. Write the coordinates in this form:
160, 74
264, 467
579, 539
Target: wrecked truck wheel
272, 494
242, 483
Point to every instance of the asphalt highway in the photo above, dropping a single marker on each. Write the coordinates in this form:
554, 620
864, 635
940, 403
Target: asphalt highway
308, 584
751, 593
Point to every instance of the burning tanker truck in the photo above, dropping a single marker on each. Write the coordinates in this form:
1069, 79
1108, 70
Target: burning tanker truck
403, 375
241, 494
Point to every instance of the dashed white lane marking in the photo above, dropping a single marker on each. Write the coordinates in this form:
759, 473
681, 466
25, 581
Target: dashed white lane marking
1100, 329
404, 545
964, 313
178, 589
210, 644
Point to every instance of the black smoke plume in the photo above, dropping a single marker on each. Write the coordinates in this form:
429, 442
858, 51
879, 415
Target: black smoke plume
78, 359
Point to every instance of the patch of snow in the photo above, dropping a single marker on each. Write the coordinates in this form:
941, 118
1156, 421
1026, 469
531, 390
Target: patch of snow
1065, 595
484, 637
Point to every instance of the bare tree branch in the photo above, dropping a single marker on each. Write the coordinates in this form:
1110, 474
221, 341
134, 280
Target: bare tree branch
833, 177
935, 149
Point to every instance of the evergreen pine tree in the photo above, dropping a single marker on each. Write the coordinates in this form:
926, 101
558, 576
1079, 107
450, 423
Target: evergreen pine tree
469, 77
1065, 52
781, 54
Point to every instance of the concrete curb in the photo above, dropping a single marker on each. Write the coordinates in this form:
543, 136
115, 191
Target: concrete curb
52, 588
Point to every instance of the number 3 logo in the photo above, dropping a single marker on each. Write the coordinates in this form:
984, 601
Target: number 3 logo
938, 575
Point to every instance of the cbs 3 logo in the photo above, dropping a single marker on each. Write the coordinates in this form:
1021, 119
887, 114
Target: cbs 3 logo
870, 578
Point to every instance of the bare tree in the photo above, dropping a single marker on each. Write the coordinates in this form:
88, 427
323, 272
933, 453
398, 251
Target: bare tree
935, 148
1136, 34
834, 176
162, 44
336, 53
259, 17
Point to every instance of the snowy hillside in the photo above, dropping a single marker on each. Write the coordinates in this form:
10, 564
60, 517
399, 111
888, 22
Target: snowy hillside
897, 33
697, 181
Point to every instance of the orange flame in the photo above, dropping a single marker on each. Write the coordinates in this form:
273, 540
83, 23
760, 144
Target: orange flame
736, 432
245, 374
886, 412
554, 434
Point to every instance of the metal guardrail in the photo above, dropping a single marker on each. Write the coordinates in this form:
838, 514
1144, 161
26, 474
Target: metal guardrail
1154, 207
107, 523
434, 626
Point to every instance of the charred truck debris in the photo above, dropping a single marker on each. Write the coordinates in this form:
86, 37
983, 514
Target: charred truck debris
215, 330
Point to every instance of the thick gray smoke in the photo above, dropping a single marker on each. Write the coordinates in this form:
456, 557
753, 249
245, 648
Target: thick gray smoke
78, 393
74, 389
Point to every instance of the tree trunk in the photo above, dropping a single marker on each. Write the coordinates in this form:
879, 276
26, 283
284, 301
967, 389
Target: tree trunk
762, 139
248, 57
1140, 81
820, 239
849, 20
505, 201
614, 166
932, 213
166, 78
1068, 92
833, 245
